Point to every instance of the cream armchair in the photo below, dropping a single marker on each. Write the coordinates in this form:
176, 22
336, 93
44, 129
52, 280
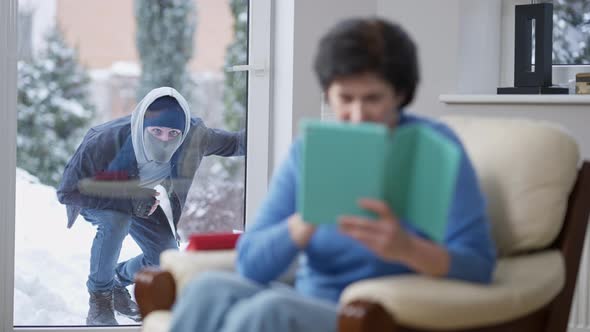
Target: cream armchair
156, 288
539, 202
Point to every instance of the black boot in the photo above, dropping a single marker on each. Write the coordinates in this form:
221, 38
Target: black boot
124, 305
101, 310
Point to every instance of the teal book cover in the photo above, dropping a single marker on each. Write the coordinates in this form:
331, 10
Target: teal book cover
414, 170
340, 164
422, 174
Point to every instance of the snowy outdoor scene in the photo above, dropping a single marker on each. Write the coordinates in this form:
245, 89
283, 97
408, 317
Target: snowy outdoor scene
71, 78
52, 262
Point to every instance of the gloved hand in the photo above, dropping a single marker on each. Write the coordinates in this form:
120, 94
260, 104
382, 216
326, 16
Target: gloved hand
145, 204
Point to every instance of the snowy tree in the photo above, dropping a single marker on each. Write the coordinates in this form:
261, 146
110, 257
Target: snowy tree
235, 96
165, 30
54, 109
571, 32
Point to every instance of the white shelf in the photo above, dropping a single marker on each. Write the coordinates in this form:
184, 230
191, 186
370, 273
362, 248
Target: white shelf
516, 99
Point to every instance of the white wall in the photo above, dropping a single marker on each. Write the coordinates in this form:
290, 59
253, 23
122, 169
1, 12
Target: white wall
299, 26
458, 43
479, 46
437, 37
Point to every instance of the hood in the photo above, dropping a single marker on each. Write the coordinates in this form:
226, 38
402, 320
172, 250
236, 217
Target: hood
138, 115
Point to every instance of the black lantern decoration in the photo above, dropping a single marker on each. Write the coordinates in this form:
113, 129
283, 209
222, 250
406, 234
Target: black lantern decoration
529, 77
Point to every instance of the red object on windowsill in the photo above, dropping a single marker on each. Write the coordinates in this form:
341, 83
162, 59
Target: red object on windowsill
212, 241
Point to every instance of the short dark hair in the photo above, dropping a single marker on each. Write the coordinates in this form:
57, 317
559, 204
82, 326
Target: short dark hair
360, 45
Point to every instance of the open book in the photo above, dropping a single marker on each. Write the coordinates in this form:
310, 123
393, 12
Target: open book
414, 169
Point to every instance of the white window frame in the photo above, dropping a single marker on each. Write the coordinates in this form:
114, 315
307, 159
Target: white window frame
257, 162
259, 101
8, 16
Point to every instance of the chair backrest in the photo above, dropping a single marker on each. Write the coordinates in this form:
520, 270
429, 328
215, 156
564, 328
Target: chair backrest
527, 170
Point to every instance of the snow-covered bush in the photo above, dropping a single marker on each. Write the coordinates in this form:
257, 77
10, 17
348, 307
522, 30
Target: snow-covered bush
54, 110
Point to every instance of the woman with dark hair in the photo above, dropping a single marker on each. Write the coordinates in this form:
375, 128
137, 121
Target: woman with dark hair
368, 69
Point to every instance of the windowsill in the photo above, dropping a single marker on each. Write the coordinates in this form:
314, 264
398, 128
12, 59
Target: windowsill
452, 99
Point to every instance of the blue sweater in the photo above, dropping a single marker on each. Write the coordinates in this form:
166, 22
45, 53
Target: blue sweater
331, 261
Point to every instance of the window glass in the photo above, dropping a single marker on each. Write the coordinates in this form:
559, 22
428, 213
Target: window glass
84, 64
571, 32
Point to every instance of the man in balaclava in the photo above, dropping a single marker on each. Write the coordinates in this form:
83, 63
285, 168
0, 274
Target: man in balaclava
110, 181
156, 134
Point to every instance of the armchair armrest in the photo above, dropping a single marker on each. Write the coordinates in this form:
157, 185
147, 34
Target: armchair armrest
156, 288
157, 321
185, 265
522, 285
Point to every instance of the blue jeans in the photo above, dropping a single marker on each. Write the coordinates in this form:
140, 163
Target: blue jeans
225, 302
112, 228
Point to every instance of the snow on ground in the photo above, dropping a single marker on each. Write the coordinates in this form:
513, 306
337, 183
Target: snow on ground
51, 262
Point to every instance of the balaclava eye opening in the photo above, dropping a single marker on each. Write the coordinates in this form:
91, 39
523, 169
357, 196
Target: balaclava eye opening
163, 112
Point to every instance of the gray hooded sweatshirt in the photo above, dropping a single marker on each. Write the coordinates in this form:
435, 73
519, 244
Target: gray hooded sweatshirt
152, 172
